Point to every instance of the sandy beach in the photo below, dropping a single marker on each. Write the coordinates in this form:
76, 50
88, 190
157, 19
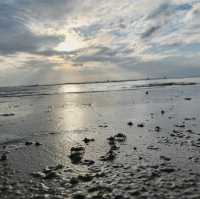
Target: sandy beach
139, 143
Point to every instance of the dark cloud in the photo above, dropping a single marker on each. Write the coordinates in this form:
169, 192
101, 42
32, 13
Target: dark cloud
168, 9
149, 32
17, 37
45, 9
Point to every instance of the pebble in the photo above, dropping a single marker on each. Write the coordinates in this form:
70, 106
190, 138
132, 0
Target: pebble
141, 125
3, 157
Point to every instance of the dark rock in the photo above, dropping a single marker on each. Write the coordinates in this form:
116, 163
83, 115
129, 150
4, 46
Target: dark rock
152, 147
38, 144
167, 169
141, 125
130, 123
157, 129
27, 143
7, 114
162, 112
3, 157
103, 126
120, 137
77, 154
88, 140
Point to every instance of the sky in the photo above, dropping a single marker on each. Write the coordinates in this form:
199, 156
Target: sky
55, 41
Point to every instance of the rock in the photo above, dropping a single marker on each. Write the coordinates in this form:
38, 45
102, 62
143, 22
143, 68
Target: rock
152, 147
130, 123
27, 143
3, 157
77, 154
103, 126
88, 140
167, 169
38, 144
120, 137
187, 98
157, 129
141, 125
7, 114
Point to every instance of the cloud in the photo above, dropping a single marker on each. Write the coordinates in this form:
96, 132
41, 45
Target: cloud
17, 37
150, 31
106, 35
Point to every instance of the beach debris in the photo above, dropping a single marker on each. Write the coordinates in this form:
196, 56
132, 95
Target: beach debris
3, 157
120, 137
188, 118
7, 114
28, 143
180, 125
187, 98
38, 144
130, 123
76, 154
103, 126
88, 140
152, 147
157, 129
162, 112
141, 125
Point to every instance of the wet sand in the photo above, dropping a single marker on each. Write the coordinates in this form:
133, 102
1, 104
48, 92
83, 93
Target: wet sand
141, 143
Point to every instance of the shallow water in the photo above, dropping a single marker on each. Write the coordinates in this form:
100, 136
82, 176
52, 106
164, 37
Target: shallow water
89, 87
